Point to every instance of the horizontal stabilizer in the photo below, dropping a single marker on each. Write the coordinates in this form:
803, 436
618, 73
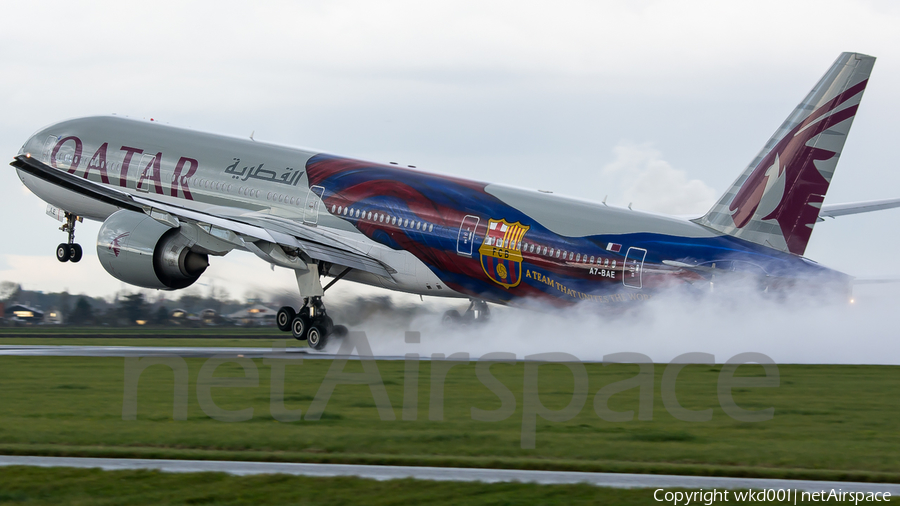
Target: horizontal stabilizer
876, 281
834, 210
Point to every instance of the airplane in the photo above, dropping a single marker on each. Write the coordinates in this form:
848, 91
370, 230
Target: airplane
169, 198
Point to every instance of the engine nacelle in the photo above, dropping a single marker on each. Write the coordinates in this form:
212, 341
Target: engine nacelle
140, 251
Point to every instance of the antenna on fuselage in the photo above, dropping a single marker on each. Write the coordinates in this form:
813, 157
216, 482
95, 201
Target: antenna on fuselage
251, 136
604, 199
629, 205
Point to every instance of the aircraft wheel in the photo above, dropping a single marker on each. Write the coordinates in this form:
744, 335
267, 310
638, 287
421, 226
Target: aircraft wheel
284, 318
451, 318
63, 252
316, 337
340, 331
75, 253
300, 327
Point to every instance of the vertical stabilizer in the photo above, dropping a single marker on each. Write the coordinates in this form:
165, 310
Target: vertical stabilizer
776, 200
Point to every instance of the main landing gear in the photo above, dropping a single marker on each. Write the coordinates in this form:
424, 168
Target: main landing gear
69, 251
478, 312
311, 322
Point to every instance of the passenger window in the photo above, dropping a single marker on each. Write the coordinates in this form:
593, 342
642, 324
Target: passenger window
578, 257
393, 220
406, 223
431, 227
613, 264
592, 259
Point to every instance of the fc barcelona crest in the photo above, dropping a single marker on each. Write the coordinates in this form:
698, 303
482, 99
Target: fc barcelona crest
501, 252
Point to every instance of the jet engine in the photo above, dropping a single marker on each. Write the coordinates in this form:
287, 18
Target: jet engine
141, 251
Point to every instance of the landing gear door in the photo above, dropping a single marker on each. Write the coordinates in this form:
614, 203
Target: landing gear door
634, 266
311, 215
466, 238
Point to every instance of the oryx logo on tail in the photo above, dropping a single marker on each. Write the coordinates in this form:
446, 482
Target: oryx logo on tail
776, 201
501, 252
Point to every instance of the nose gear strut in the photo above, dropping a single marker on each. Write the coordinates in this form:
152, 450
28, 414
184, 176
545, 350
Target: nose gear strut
69, 251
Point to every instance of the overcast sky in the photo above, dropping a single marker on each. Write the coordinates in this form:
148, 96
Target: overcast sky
657, 103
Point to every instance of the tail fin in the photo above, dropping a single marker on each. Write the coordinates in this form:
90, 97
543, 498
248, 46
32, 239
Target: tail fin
776, 200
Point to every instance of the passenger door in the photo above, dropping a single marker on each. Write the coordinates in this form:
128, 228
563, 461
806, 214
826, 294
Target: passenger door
466, 238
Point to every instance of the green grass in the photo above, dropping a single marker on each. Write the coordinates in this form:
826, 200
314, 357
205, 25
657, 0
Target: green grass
830, 422
55, 486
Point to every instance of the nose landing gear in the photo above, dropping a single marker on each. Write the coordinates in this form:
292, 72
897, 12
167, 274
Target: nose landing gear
69, 251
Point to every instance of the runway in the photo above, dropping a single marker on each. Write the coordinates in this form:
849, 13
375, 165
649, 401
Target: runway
614, 480
190, 351
181, 351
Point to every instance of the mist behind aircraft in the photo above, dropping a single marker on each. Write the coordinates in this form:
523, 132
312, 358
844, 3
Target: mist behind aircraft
797, 330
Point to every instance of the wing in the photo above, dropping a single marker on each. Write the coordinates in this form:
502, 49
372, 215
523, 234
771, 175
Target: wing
276, 240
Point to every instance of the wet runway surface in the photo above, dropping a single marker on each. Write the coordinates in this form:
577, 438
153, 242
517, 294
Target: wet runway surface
615, 480
158, 351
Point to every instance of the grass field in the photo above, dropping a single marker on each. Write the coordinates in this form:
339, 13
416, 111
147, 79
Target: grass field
830, 422
22, 485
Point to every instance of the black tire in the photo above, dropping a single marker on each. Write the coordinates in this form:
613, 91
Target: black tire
284, 318
316, 337
451, 318
75, 253
340, 331
63, 252
300, 327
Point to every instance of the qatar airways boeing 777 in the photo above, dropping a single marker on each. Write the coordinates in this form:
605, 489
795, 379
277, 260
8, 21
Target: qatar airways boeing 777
170, 198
